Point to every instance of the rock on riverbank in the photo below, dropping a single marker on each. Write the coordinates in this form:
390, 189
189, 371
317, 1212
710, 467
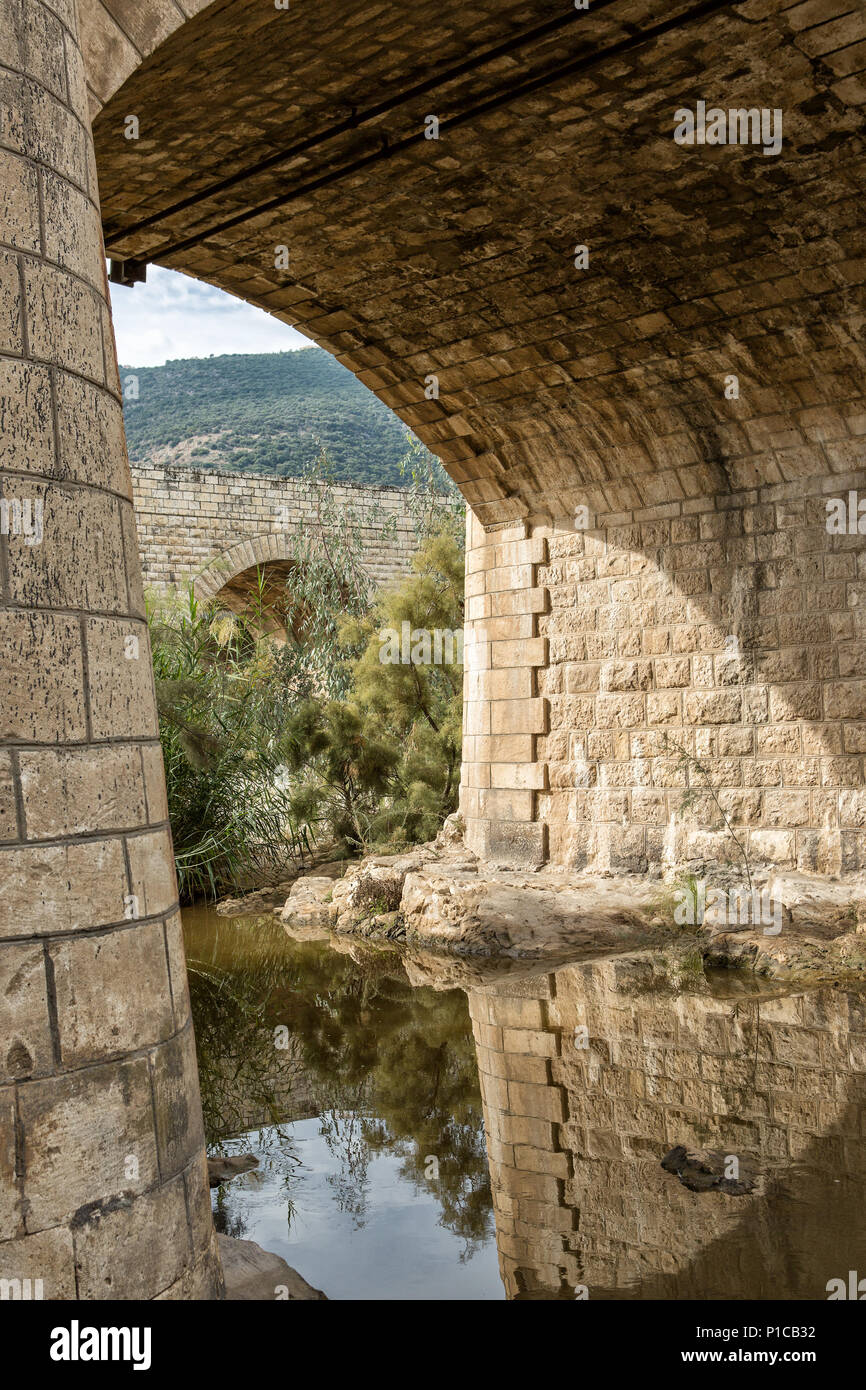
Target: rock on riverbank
254, 1274
441, 897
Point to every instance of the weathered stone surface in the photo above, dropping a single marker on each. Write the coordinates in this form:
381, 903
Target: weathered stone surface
452, 902
8, 808
42, 678
375, 886
176, 956
464, 911
19, 217
91, 440
25, 1029
208, 527
151, 872
65, 321
62, 887
97, 1016
122, 702
47, 1256
177, 1106
793, 956
81, 791
309, 903
78, 1138
252, 1273
79, 562
132, 1249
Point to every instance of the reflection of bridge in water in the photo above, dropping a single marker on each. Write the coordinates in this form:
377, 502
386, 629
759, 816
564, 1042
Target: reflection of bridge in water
589, 1074
575, 1136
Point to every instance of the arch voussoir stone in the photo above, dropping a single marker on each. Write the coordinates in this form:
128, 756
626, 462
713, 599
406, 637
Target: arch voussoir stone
233, 562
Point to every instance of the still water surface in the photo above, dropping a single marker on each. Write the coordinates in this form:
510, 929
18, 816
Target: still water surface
377, 1087
502, 1135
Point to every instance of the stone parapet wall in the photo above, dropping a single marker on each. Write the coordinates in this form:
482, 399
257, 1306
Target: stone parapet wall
202, 526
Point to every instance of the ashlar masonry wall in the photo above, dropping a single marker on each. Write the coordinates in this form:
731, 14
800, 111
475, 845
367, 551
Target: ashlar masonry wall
613, 662
201, 526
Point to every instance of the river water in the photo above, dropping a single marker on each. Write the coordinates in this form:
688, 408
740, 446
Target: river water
431, 1128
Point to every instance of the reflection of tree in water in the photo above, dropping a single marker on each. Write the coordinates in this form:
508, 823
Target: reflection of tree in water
343, 1133
239, 1066
392, 1068
225, 1220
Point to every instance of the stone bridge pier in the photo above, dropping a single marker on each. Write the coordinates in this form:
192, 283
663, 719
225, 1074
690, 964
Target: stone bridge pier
714, 641
640, 357
103, 1182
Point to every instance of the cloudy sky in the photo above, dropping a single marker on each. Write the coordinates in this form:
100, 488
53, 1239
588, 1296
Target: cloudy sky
173, 316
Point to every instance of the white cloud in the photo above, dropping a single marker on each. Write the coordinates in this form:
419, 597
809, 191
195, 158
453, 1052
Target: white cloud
174, 316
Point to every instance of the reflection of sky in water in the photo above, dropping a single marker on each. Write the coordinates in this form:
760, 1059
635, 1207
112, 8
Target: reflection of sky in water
401, 1251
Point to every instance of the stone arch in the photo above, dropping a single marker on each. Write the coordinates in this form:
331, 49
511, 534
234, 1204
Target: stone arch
246, 555
258, 571
557, 387
562, 386
117, 36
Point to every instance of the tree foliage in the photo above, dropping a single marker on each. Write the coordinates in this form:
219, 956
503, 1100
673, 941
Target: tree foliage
218, 705
265, 413
271, 746
381, 767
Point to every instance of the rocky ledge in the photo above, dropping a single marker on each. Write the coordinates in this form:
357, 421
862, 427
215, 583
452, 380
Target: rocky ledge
440, 897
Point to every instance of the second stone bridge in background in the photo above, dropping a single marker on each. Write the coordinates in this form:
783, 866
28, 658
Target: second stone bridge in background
214, 530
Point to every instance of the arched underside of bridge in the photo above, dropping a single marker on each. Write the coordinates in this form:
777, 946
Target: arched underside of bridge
704, 608
700, 596
232, 569
261, 588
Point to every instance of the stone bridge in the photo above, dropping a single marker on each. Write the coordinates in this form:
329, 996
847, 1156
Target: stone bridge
211, 529
639, 356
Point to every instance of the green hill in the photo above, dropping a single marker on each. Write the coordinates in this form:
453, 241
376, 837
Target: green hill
263, 413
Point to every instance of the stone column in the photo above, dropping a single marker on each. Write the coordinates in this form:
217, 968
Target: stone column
103, 1186
503, 715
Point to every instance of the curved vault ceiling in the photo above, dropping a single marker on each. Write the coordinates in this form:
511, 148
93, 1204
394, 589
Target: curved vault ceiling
409, 256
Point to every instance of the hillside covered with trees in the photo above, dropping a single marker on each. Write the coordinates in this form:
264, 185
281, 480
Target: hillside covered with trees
263, 413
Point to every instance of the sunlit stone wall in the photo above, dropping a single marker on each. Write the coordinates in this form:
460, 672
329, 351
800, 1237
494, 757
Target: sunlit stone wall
727, 627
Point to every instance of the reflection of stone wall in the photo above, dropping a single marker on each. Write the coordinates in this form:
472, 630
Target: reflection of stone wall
576, 1137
